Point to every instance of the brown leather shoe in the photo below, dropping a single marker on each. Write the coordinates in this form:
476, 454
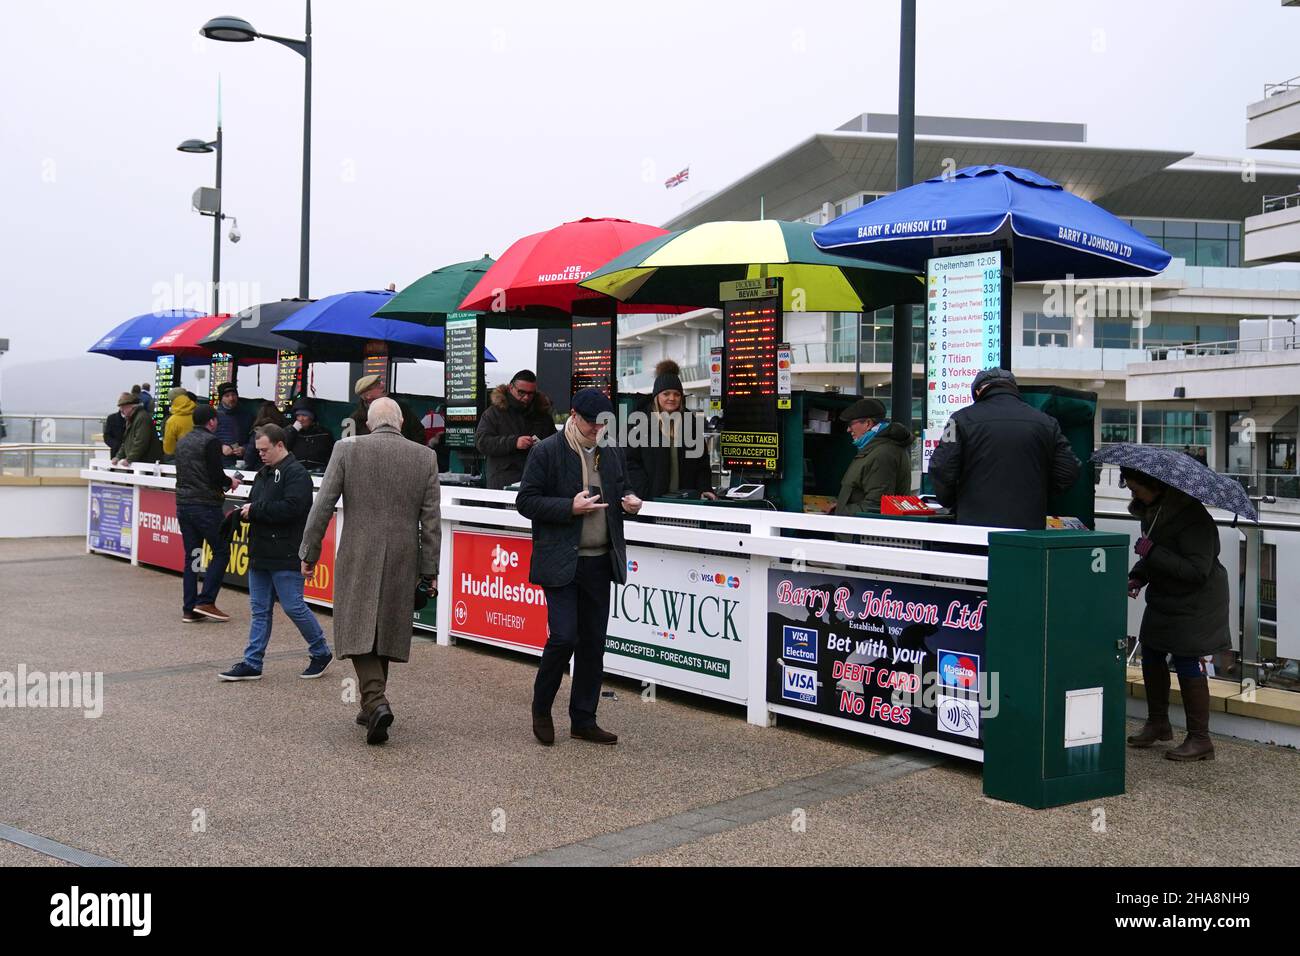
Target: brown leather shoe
593, 734
1153, 731
544, 729
212, 611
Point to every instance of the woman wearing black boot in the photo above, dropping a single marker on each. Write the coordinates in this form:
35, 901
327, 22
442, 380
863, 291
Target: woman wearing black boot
1187, 609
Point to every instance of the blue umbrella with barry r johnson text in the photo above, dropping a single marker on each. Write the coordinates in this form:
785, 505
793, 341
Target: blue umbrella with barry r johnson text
1052, 232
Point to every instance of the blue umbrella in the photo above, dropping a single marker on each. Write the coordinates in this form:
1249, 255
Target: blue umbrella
1053, 233
1180, 470
337, 327
130, 341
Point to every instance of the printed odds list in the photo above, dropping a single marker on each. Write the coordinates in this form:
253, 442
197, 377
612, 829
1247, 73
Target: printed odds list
963, 334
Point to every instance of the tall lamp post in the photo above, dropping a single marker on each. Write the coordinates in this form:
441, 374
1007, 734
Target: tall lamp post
235, 30
200, 146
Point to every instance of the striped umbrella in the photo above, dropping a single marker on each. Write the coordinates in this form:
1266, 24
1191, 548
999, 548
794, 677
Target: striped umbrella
685, 268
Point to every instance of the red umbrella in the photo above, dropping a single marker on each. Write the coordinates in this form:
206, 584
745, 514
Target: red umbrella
183, 340
542, 271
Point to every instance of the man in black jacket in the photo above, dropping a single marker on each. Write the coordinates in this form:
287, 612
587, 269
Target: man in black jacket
309, 441
517, 418
278, 504
114, 431
201, 487
578, 550
1000, 460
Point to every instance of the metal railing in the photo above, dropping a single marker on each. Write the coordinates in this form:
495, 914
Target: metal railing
1278, 203
1256, 484
48, 429
41, 459
1181, 350
1286, 86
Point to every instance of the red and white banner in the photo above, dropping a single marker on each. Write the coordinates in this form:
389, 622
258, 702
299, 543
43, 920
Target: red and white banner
161, 545
491, 598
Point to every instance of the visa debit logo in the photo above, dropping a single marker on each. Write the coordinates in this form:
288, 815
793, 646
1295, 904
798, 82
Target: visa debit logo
799, 644
799, 684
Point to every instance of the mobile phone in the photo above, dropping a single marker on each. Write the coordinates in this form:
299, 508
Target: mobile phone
594, 491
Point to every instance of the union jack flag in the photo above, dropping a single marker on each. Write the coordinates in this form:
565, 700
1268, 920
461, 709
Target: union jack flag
677, 180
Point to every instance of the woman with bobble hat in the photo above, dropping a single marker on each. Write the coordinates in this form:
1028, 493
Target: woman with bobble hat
669, 464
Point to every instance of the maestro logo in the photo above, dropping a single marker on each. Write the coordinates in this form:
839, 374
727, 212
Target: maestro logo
632, 565
959, 670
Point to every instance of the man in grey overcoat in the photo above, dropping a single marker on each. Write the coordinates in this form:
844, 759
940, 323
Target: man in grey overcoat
390, 540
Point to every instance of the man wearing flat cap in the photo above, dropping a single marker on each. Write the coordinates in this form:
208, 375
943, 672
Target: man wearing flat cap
140, 442
575, 491
367, 389
1000, 460
883, 463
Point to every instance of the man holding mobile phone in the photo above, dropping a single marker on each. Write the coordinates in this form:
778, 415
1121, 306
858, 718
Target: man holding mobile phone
518, 416
578, 550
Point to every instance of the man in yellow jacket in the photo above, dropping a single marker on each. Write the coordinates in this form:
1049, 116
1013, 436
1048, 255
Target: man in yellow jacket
180, 421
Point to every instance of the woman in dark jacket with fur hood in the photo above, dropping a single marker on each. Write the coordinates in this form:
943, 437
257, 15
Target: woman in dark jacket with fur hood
1187, 609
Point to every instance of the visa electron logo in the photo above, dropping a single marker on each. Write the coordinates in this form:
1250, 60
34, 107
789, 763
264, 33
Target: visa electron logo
503, 559
958, 670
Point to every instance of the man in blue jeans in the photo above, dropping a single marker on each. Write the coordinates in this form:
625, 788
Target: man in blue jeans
277, 509
201, 487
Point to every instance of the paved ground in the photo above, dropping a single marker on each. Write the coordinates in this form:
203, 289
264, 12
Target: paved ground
182, 769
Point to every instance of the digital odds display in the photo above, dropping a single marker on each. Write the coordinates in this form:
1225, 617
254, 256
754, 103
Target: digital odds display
464, 382
288, 378
963, 334
164, 380
593, 354
750, 434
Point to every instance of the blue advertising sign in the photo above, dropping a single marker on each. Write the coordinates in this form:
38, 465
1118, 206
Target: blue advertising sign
112, 519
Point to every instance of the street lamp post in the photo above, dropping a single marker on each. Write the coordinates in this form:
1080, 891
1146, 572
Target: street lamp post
235, 30
199, 146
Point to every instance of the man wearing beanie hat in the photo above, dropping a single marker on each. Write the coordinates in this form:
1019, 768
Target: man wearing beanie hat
309, 441
883, 464
1000, 460
140, 442
668, 465
180, 419
518, 416
574, 490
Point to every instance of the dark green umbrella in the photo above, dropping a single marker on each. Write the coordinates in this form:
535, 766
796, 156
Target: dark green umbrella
430, 298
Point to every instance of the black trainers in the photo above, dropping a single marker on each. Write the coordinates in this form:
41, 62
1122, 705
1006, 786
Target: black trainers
241, 671
317, 666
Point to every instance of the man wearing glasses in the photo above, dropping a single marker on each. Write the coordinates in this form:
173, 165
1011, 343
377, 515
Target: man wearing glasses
517, 418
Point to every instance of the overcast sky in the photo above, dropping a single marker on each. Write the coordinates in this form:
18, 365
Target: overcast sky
444, 131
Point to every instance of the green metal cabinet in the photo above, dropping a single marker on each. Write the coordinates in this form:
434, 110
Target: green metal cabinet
1056, 643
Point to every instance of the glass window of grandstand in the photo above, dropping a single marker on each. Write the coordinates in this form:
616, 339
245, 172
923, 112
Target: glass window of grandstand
1049, 330
1240, 452
1176, 428
708, 342
1200, 242
1281, 453
1118, 425
629, 361
877, 335
1164, 334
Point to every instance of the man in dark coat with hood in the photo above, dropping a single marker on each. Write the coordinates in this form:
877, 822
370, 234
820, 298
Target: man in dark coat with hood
518, 416
309, 440
1000, 460
883, 464
672, 463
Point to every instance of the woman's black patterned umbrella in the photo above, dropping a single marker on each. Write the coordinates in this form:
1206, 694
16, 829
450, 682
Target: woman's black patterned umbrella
1180, 470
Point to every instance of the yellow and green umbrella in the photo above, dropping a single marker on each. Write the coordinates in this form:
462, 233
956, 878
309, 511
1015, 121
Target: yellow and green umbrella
686, 267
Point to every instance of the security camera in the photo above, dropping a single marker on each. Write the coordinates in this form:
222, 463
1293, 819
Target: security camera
235, 234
